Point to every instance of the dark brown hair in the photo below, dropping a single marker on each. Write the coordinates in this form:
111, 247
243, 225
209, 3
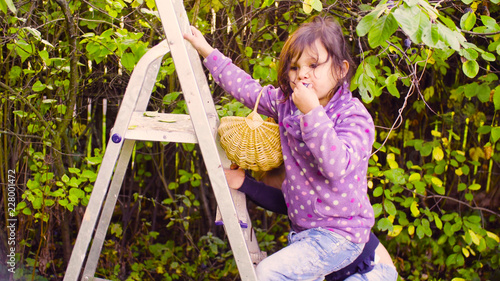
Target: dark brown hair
329, 32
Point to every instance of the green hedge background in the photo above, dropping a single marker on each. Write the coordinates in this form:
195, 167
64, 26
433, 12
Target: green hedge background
426, 70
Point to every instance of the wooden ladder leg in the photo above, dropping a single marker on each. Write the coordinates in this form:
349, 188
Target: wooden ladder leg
92, 212
139, 88
107, 211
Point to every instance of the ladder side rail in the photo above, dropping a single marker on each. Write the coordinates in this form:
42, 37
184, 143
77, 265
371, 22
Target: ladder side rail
205, 132
147, 65
240, 200
107, 211
193, 56
121, 167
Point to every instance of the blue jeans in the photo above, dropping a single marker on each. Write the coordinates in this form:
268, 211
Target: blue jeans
381, 272
310, 255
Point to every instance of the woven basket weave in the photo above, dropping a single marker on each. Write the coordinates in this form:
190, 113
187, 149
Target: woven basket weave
250, 142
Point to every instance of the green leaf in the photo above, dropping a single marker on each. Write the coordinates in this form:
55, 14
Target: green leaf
383, 28
33, 184
420, 187
489, 22
426, 149
317, 5
379, 190
49, 202
470, 68
63, 202
411, 21
390, 208
74, 182
366, 88
94, 160
37, 203
390, 83
395, 176
377, 209
366, 23
438, 222
74, 170
468, 21
430, 35
384, 224
496, 98
453, 38
488, 56
267, 3
24, 50
420, 232
15, 72
469, 54
78, 193
38, 86
128, 61
58, 193
495, 134
249, 50
21, 205
7, 4
483, 92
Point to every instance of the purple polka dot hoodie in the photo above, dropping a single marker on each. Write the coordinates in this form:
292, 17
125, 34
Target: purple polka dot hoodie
325, 152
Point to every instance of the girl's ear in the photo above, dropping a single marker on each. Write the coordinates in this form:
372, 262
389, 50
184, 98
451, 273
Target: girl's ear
345, 69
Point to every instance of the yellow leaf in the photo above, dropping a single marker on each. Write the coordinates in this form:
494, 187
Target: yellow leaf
307, 6
465, 252
370, 184
414, 209
160, 270
414, 177
445, 141
475, 153
475, 237
391, 160
437, 181
392, 164
411, 229
493, 235
436, 133
430, 59
459, 171
437, 153
396, 229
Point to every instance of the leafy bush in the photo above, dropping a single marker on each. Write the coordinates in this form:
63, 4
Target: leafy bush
427, 71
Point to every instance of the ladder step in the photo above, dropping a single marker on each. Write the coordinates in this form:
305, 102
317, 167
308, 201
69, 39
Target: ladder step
164, 127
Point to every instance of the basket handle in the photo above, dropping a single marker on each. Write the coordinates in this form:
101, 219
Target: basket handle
258, 100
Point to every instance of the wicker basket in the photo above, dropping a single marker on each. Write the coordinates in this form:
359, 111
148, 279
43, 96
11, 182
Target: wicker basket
250, 142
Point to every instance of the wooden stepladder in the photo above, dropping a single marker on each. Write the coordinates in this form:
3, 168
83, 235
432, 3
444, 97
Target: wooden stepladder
131, 125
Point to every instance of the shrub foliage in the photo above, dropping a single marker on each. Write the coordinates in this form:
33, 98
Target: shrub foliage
427, 71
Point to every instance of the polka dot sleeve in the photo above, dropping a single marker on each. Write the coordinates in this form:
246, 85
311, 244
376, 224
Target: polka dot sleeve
240, 84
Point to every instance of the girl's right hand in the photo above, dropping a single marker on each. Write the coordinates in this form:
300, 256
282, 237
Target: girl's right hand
235, 178
199, 42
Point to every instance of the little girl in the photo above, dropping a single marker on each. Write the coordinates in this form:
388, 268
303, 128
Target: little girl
326, 138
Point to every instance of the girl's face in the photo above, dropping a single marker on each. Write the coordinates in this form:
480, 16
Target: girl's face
314, 69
